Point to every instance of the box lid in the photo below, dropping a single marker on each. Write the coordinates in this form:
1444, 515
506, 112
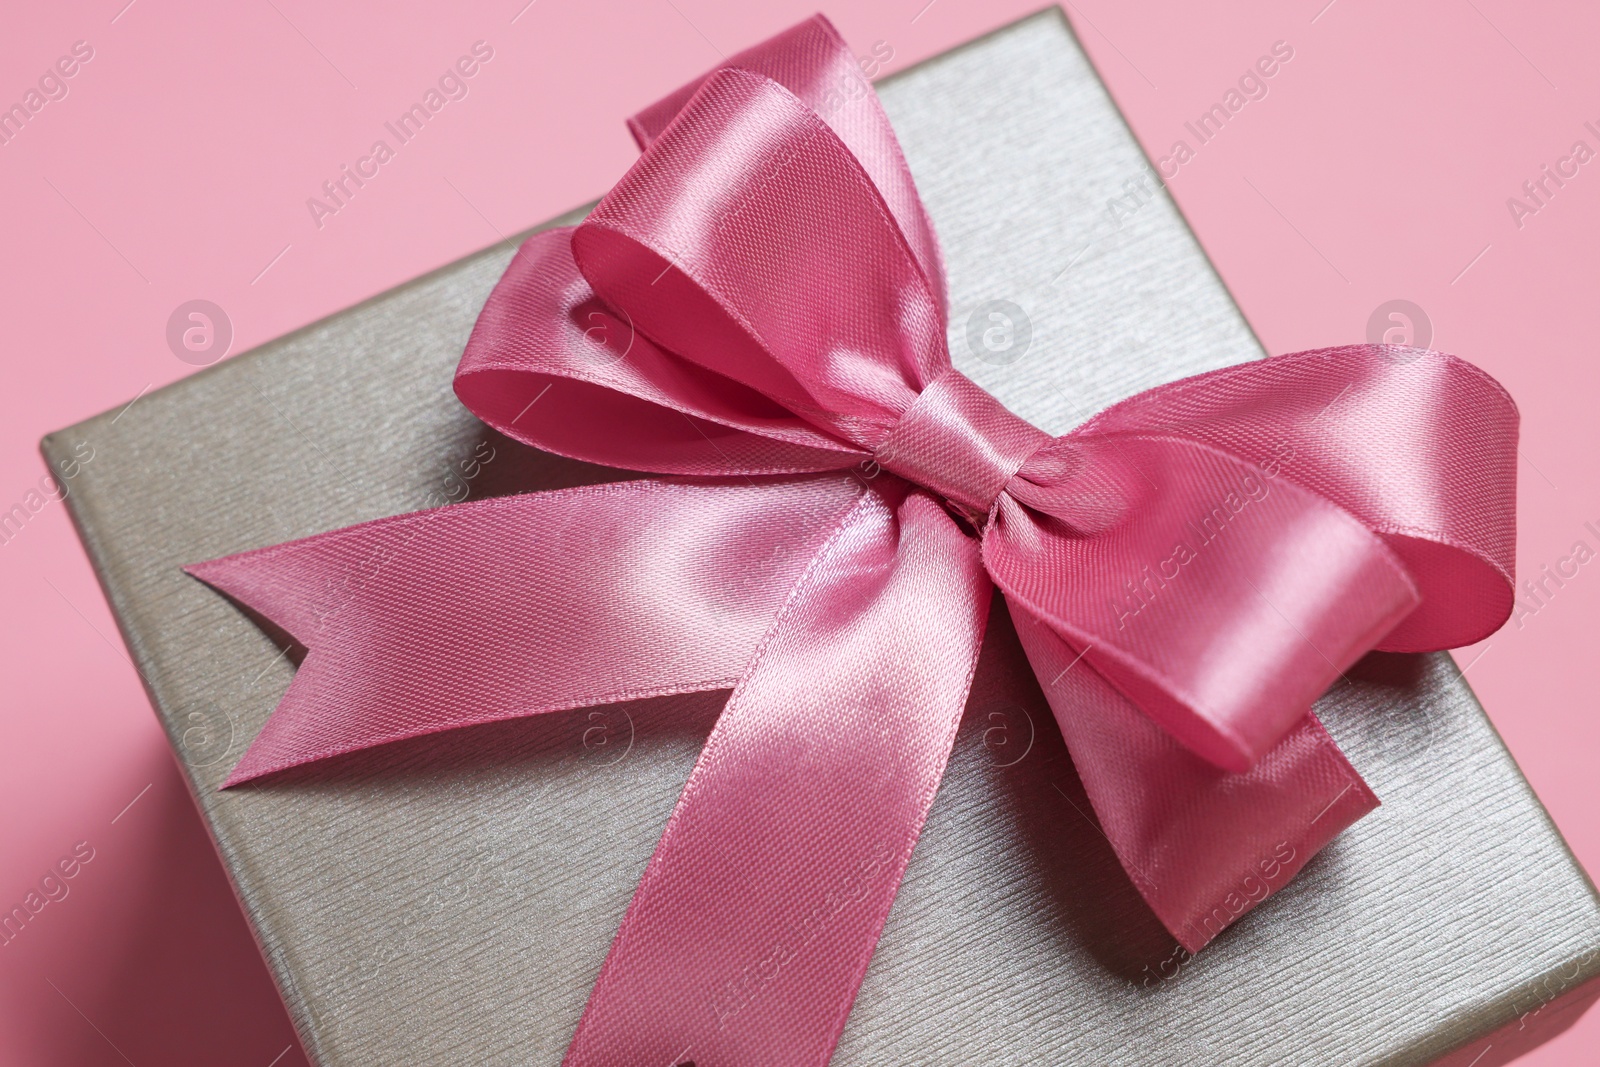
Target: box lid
451, 900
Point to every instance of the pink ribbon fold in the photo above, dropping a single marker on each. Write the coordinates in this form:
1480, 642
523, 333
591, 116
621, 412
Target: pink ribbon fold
758, 308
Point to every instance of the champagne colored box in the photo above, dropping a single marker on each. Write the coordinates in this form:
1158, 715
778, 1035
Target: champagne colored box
449, 900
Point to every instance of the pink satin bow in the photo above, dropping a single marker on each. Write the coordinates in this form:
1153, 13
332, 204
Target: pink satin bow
758, 308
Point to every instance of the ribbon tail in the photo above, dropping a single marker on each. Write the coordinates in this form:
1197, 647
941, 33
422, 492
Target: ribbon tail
752, 927
1202, 845
524, 604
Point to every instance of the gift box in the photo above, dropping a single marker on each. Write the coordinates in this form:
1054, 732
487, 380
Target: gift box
451, 898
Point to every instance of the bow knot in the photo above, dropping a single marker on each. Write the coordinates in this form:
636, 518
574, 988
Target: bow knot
958, 441
767, 296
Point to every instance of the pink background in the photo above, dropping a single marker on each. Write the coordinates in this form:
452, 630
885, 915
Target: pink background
178, 166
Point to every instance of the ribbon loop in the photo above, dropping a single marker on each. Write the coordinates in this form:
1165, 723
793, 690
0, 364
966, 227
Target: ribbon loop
1222, 601
959, 442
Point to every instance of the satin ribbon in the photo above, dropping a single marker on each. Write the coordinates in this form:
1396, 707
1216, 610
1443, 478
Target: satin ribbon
758, 310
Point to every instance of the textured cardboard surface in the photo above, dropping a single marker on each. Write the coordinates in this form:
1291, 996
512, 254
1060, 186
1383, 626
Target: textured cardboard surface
450, 900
